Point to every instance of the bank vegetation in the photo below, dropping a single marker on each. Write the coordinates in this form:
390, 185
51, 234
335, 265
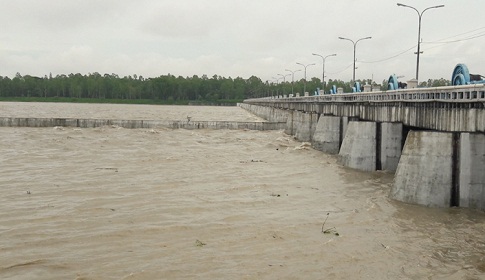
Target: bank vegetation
165, 89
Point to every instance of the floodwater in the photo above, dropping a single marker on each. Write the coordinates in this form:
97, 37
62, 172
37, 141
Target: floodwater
123, 111
114, 203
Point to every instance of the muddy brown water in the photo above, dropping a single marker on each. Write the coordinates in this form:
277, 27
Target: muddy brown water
113, 203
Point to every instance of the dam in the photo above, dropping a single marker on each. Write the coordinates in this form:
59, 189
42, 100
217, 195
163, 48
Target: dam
432, 138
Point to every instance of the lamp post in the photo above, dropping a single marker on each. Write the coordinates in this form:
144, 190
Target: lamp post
284, 80
284, 76
419, 31
267, 85
292, 77
323, 75
305, 66
355, 44
277, 79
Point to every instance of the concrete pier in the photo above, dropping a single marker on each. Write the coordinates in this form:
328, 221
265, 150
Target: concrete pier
328, 135
424, 175
389, 137
304, 124
290, 128
440, 169
472, 173
358, 149
367, 146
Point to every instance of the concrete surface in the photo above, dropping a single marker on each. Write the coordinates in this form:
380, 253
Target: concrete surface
327, 135
472, 173
358, 149
424, 173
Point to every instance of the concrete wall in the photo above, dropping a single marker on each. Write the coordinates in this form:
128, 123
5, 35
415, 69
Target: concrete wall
91, 123
328, 134
304, 125
472, 171
452, 117
358, 149
441, 169
290, 125
390, 145
270, 114
424, 174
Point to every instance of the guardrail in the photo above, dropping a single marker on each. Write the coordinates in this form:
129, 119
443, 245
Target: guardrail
464, 93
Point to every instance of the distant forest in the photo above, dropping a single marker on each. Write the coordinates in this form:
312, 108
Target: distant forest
165, 89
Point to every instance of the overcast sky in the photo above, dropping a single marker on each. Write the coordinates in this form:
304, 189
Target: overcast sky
234, 38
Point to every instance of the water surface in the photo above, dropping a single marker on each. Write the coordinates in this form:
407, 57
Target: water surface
114, 203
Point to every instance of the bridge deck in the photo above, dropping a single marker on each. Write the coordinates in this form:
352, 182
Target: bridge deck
452, 109
457, 94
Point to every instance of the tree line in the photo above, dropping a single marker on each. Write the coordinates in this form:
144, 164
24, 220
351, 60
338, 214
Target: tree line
165, 88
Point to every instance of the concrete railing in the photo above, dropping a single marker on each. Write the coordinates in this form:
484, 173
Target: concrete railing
465, 93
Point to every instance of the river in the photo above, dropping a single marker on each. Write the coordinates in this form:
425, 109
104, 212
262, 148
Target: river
114, 203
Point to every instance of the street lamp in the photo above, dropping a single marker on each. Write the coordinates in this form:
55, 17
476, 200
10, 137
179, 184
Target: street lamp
355, 44
284, 76
419, 31
284, 80
292, 77
323, 75
305, 66
277, 79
